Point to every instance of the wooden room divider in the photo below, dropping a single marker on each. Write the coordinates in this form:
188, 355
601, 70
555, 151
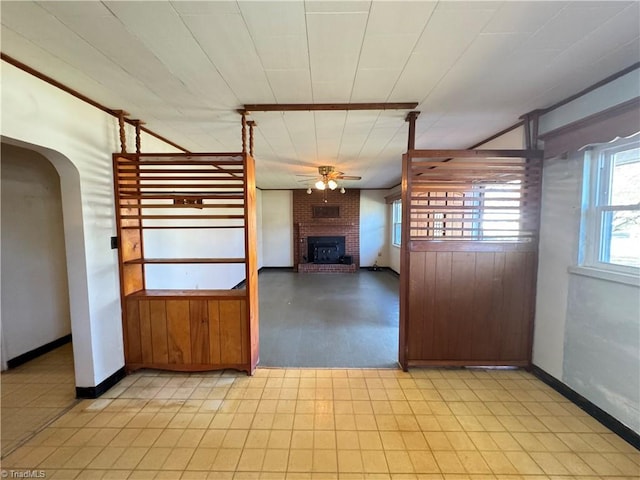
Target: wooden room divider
469, 256
188, 330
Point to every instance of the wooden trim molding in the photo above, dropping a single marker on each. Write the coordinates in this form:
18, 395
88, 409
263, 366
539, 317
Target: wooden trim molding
45, 78
621, 120
314, 107
591, 88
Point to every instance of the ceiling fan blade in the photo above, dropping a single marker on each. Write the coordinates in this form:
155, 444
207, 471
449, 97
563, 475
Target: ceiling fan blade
348, 177
301, 175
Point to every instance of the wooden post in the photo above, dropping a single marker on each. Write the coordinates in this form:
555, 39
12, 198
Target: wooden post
411, 118
123, 136
244, 132
137, 124
251, 124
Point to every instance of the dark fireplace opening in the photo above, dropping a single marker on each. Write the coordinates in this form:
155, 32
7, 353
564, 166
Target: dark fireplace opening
326, 249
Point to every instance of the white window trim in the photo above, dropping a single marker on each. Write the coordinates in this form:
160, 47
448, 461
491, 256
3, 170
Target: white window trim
393, 223
589, 263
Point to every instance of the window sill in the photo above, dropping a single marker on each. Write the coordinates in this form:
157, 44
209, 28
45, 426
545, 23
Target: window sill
394, 245
617, 277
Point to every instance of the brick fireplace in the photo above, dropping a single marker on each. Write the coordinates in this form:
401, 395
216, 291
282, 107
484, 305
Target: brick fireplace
338, 217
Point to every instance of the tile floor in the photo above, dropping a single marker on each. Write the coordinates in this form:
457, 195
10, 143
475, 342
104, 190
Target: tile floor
35, 393
328, 424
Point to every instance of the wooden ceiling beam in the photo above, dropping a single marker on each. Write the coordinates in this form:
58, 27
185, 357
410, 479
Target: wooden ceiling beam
477, 154
312, 107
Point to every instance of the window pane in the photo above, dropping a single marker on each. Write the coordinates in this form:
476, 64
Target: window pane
625, 182
621, 237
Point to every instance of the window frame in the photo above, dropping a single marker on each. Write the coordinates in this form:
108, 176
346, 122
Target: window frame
598, 169
396, 220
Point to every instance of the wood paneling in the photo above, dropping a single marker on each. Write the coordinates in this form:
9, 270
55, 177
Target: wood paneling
159, 334
470, 305
199, 318
230, 332
179, 331
466, 300
146, 342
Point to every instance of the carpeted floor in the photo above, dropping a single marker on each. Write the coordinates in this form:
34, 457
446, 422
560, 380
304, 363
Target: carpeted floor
328, 320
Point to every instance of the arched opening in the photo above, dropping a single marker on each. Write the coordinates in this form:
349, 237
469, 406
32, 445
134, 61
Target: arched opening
40, 288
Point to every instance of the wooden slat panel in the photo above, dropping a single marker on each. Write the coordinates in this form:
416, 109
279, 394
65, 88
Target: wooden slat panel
417, 313
134, 350
514, 324
161, 261
230, 331
462, 287
198, 313
213, 307
179, 331
244, 338
146, 342
485, 337
442, 306
159, 334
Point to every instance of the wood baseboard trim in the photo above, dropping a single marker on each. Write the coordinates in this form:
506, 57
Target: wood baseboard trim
36, 352
613, 424
102, 387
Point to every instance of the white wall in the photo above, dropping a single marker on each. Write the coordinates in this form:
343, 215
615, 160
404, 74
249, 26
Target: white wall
587, 330
373, 228
35, 295
277, 228
78, 139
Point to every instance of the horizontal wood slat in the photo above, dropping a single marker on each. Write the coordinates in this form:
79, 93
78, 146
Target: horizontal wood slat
473, 200
160, 261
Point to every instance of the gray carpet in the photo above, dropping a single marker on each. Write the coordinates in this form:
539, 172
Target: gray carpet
328, 320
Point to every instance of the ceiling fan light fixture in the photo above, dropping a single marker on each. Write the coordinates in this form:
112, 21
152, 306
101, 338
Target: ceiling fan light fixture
332, 184
320, 185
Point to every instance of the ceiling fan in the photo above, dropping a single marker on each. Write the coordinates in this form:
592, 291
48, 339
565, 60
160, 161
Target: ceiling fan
328, 176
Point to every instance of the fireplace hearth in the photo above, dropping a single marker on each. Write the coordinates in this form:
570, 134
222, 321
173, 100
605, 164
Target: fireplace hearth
326, 250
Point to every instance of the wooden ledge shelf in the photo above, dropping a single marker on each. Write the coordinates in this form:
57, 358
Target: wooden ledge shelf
185, 294
163, 261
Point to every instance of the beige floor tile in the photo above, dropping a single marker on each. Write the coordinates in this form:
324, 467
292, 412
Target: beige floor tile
350, 461
275, 460
399, 461
300, 460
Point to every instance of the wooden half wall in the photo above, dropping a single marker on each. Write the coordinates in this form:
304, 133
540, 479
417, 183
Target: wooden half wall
469, 257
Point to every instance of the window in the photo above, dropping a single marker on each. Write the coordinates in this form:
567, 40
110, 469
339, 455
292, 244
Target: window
611, 210
397, 223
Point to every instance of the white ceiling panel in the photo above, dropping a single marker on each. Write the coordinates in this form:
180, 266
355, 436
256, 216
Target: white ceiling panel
399, 17
386, 51
236, 60
199, 7
184, 67
335, 41
523, 17
561, 32
373, 85
446, 37
283, 52
290, 86
266, 19
332, 6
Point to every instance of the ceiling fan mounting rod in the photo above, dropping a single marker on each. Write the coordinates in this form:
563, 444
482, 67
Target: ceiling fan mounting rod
301, 107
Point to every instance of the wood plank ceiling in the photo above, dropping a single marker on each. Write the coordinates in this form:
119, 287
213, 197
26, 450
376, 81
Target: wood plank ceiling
184, 67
